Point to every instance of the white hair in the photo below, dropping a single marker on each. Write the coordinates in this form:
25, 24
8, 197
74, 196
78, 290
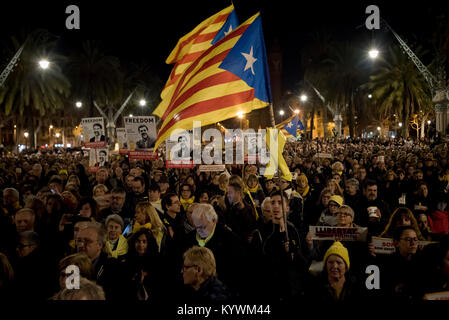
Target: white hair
205, 210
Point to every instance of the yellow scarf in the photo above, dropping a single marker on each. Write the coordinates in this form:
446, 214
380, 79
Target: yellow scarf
187, 202
137, 226
122, 247
202, 242
253, 190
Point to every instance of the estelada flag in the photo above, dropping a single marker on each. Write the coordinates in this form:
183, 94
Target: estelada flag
192, 45
229, 78
291, 127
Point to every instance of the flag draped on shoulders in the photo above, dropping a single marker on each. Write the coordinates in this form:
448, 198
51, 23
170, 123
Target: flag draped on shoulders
192, 45
229, 78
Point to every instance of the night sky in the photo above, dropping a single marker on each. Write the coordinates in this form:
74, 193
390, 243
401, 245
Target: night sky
149, 30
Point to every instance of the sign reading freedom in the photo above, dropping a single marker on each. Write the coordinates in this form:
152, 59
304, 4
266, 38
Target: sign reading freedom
338, 233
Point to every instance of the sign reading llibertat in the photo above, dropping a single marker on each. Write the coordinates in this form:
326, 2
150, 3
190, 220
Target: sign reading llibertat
93, 132
141, 136
98, 157
122, 140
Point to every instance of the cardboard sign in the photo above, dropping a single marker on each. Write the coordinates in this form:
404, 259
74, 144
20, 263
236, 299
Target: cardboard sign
444, 295
183, 164
386, 246
140, 132
212, 167
142, 155
93, 132
323, 155
338, 233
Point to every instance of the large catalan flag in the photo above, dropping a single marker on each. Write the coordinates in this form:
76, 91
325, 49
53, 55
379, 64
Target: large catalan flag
229, 78
291, 127
192, 45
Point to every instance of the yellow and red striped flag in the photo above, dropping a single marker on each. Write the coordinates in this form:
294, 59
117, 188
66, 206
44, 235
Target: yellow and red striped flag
192, 45
229, 78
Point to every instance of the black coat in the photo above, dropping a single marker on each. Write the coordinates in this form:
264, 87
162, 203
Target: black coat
230, 256
211, 291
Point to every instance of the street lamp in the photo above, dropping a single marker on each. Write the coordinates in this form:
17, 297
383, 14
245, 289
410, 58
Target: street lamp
78, 104
142, 103
303, 98
373, 53
130, 115
281, 112
370, 96
26, 134
44, 64
58, 135
400, 124
297, 111
428, 122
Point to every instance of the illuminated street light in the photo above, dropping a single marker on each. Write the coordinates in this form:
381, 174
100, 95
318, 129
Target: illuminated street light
44, 64
400, 124
130, 115
26, 134
297, 111
78, 104
142, 103
303, 98
378, 128
51, 126
281, 112
58, 135
428, 122
373, 53
370, 96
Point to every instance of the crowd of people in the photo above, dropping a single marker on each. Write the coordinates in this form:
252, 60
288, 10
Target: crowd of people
139, 231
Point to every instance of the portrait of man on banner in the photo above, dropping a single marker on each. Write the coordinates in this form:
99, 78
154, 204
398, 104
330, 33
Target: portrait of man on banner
98, 133
146, 142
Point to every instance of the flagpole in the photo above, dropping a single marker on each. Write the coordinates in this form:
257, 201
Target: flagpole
273, 123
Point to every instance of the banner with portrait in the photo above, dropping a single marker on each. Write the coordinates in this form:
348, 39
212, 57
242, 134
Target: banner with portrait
141, 135
93, 132
122, 140
98, 157
179, 149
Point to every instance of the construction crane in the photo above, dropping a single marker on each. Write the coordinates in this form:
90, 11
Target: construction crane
438, 88
336, 112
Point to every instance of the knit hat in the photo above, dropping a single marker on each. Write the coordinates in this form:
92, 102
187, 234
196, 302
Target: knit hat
337, 199
338, 249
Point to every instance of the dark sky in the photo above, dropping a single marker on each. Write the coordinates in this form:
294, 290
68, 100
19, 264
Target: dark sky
148, 30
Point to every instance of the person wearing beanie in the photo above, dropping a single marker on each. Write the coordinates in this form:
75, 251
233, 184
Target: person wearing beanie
334, 283
329, 216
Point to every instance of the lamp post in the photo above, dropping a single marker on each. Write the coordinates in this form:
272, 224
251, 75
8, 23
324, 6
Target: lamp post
26, 135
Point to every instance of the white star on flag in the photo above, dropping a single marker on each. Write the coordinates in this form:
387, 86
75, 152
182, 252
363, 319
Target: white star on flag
229, 31
290, 124
249, 60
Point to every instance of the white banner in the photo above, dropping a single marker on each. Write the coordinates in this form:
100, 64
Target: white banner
338, 233
93, 132
121, 138
98, 157
140, 132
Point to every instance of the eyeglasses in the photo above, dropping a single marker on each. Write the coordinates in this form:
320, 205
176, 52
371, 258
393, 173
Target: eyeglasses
86, 241
410, 240
345, 214
21, 245
184, 267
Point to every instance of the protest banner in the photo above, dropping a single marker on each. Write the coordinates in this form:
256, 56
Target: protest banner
338, 233
443, 295
386, 245
122, 140
140, 132
179, 148
93, 132
212, 167
97, 158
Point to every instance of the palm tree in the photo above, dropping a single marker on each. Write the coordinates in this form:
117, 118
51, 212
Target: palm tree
37, 93
96, 76
398, 87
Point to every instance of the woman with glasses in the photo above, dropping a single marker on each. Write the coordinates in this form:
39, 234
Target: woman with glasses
187, 197
400, 271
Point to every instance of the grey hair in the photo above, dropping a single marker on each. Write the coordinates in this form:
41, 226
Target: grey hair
14, 191
205, 210
101, 232
115, 218
88, 290
354, 182
345, 206
266, 200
